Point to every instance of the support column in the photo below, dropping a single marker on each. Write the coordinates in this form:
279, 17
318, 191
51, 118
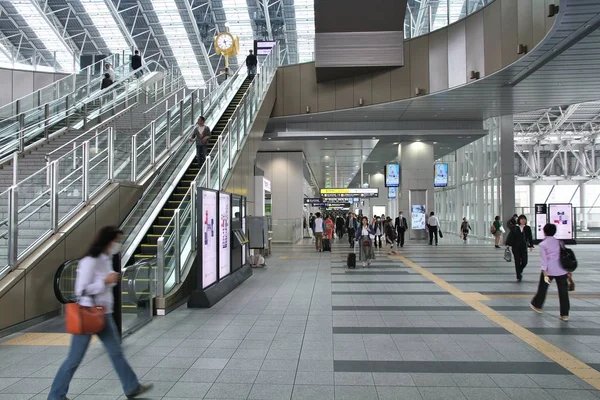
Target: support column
582, 194
507, 166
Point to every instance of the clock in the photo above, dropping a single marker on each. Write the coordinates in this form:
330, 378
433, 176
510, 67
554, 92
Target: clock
227, 44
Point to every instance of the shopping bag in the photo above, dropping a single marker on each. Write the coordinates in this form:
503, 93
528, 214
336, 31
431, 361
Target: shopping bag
507, 255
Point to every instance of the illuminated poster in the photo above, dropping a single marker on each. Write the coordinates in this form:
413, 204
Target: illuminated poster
440, 178
561, 215
224, 235
209, 238
243, 213
417, 216
392, 192
541, 218
392, 175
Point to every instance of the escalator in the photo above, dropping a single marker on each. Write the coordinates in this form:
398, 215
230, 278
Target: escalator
147, 249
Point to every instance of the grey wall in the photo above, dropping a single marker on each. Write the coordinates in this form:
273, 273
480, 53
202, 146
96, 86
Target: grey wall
17, 83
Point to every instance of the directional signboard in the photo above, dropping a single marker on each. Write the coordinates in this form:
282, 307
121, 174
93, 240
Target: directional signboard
350, 192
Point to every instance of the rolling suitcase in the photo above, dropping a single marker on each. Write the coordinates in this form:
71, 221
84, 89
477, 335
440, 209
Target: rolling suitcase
326, 245
351, 260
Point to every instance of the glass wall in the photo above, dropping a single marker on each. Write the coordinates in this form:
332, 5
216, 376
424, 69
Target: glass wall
474, 185
424, 16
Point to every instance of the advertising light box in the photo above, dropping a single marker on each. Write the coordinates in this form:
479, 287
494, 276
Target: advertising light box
243, 208
561, 215
440, 177
392, 192
392, 175
209, 238
224, 235
541, 218
418, 216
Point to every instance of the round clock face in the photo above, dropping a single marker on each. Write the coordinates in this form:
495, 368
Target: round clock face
224, 42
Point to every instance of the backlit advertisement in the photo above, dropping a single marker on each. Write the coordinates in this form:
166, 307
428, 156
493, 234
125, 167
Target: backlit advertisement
224, 235
561, 215
209, 238
392, 175
392, 192
243, 208
440, 177
417, 216
541, 218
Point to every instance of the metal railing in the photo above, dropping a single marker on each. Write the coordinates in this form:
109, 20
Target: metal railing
37, 207
177, 243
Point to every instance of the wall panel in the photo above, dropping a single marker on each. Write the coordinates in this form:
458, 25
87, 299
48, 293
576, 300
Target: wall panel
42, 79
525, 23
475, 45
308, 87
510, 30
278, 109
492, 36
344, 93
38, 299
363, 88
400, 77
12, 303
22, 83
438, 61
419, 65
382, 86
6, 94
539, 17
457, 54
326, 93
291, 90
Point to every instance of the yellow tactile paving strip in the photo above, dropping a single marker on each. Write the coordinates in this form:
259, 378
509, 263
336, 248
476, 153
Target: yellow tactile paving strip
530, 296
572, 364
41, 339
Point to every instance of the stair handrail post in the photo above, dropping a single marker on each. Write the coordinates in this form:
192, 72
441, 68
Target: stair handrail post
15, 168
152, 144
192, 98
39, 97
230, 161
133, 157
86, 171
18, 107
193, 214
54, 196
207, 165
181, 129
245, 109
219, 161
177, 244
160, 266
21, 132
201, 107
46, 118
67, 109
85, 113
111, 154
169, 129
13, 227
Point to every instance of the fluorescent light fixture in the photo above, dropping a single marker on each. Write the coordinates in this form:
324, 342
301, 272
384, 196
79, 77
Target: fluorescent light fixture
168, 15
106, 25
305, 29
46, 33
238, 21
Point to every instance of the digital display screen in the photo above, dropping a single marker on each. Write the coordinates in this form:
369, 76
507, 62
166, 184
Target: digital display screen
418, 216
209, 238
392, 192
561, 215
440, 177
541, 218
263, 47
224, 235
392, 175
243, 212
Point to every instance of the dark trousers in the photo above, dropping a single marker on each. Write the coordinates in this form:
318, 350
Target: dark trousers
201, 155
433, 233
400, 237
465, 234
351, 234
340, 233
562, 282
520, 257
378, 240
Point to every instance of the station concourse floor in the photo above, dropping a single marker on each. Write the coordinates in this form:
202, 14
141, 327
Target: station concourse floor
447, 322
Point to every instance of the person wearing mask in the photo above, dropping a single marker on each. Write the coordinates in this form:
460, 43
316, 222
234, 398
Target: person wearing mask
318, 228
520, 238
378, 227
433, 225
464, 229
497, 231
390, 235
94, 286
365, 243
351, 226
512, 223
552, 270
251, 63
108, 69
339, 226
136, 63
401, 226
200, 135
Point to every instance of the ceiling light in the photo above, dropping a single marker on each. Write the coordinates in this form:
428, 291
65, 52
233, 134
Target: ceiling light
325, 138
418, 140
395, 143
269, 138
434, 142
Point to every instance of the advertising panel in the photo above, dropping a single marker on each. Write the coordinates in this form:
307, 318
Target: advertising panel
243, 212
561, 215
224, 235
209, 238
541, 218
440, 177
392, 175
392, 192
418, 216
350, 192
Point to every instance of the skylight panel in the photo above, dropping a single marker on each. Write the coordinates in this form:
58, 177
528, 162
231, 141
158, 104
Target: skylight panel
38, 23
238, 21
457, 10
168, 15
106, 25
305, 29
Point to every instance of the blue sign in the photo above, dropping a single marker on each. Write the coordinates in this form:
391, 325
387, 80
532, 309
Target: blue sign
392, 175
440, 175
392, 192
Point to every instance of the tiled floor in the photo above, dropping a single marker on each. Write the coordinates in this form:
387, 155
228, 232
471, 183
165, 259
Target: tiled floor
306, 327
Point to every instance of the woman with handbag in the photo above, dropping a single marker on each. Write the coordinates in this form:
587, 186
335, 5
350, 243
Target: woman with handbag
364, 236
520, 239
552, 270
93, 315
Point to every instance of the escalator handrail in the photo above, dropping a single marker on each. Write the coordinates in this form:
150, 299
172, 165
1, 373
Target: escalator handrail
57, 279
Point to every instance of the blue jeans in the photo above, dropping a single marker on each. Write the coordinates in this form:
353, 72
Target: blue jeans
79, 345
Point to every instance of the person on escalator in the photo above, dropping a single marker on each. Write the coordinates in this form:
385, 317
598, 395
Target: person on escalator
106, 82
201, 135
136, 63
251, 63
108, 69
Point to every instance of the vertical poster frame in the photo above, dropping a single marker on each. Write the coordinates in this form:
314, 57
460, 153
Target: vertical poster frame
219, 277
200, 239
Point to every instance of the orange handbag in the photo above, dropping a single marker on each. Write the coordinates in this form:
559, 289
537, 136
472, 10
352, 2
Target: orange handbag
80, 320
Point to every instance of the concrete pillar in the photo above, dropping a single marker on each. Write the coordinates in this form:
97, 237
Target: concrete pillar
582, 207
416, 165
507, 166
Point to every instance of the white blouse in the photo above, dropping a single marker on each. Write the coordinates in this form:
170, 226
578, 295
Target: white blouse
91, 273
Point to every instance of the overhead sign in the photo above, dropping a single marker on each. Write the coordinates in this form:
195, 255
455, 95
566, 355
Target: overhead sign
313, 200
440, 176
224, 235
263, 47
350, 192
561, 215
392, 192
392, 175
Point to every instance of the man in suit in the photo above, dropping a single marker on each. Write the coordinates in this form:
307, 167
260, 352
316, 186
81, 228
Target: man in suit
401, 226
136, 63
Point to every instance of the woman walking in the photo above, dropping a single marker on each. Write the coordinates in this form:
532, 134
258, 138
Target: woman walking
497, 231
365, 242
520, 238
95, 280
464, 229
552, 270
